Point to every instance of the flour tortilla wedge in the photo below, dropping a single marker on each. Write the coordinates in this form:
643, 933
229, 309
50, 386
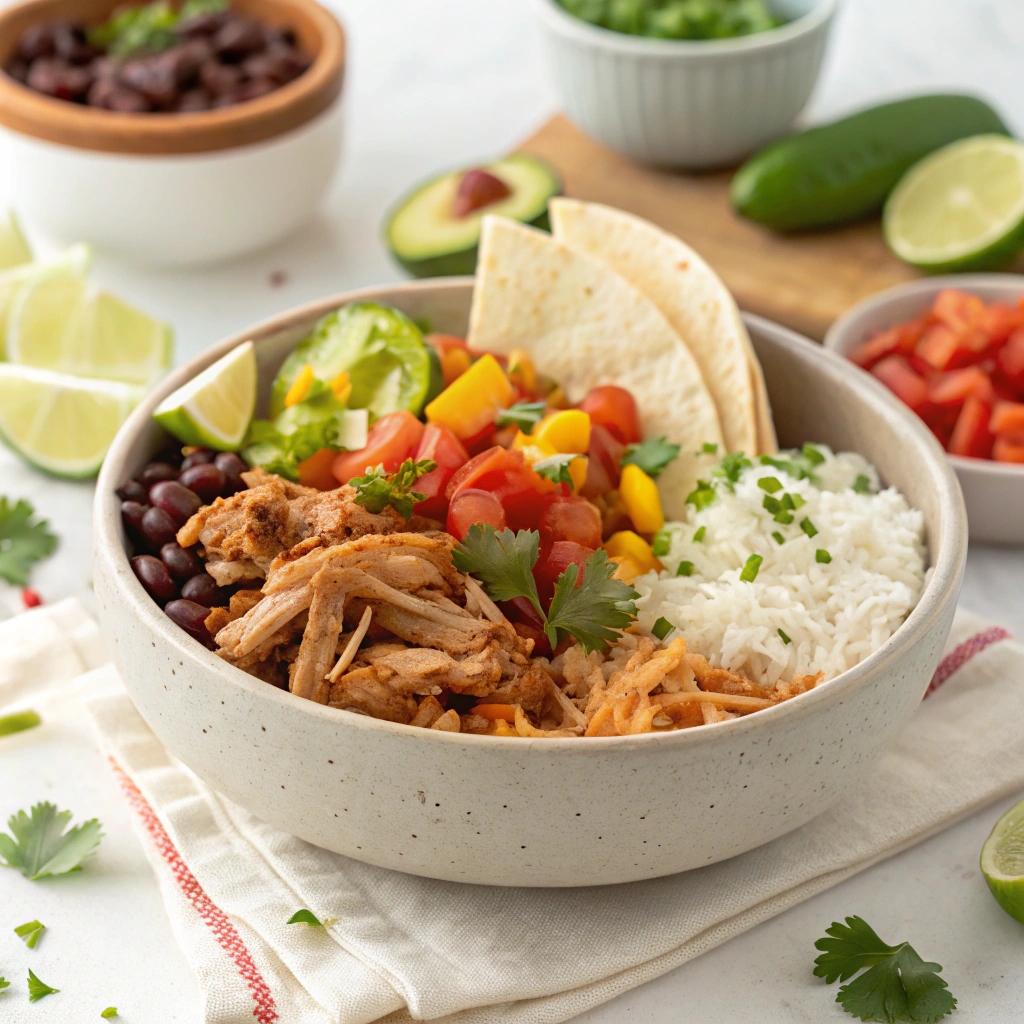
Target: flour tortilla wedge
694, 301
584, 325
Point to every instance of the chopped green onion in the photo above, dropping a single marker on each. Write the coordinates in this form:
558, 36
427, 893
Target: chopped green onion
773, 505
662, 628
788, 502
662, 543
19, 722
785, 639
778, 538
808, 527
702, 495
821, 555
699, 535
685, 569
708, 448
29, 932
750, 570
798, 500
862, 484
732, 465
812, 455
784, 517
770, 484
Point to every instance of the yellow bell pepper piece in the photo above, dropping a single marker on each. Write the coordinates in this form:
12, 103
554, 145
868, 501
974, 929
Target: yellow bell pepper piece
472, 402
455, 363
342, 386
641, 498
299, 387
566, 431
629, 545
534, 449
521, 370
626, 569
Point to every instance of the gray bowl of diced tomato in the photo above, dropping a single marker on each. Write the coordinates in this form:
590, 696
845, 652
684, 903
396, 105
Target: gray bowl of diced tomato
952, 350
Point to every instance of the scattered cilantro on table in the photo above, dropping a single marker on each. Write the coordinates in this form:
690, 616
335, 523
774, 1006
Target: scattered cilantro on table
4, 983
38, 989
29, 932
39, 846
110, 1011
896, 986
24, 540
308, 917
651, 455
378, 489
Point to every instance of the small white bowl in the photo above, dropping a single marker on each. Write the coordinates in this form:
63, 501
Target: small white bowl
993, 491
687, 103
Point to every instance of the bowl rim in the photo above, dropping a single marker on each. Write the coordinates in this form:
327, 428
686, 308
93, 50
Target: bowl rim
840, 338
941, 588
59, 122
558, 19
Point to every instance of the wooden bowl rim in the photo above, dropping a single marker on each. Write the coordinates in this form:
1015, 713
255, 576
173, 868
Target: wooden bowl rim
27, 112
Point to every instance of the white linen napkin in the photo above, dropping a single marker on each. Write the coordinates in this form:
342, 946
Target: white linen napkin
405, 948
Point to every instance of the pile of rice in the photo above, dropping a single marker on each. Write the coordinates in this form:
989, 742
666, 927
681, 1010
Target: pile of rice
835, 614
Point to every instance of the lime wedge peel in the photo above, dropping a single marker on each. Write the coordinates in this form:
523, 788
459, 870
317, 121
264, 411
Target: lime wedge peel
1002, 861
61, 424
215, 407
961, 207
14, 250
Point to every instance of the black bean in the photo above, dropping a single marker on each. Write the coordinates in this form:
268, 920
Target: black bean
192, 618
131, 515
157, 471
155, 79
158, 528
230, 463
133, 491
36, 41
192, 100
203, 590
219, 79
205, 479
155, 577
55, 77
176, 500
239, 38
18, 69
202, 25
182, 563
198, 458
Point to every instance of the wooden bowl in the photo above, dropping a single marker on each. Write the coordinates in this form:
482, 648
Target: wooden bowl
72, 124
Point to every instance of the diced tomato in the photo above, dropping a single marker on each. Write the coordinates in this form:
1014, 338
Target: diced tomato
909, 387
473, 506
572, 518
953, 389
453, 354
1000, 320
445, 343
553, 562
392, 440
1005, 450
481, 441
440, 444
1008, 420
614, 409
971, 435
527, 623
317, 470
523, 493
943, 349
900, 339
603, 469
958, 310
1011, 360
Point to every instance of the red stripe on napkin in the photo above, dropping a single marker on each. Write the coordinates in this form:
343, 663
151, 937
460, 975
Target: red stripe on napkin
962, 653
215, 919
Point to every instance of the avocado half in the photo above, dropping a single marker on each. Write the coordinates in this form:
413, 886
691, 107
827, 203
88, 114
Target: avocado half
426, 237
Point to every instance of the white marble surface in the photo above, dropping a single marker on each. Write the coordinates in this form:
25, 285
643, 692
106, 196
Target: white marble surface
436, 83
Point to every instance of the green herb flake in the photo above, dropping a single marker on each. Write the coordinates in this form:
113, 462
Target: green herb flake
732, 466
39, 846
378, 489
699, 534
862, 485
897, 987
524, 415
30, 932
812, 455
662, 543
651, 455
685, 569
798, 500
708, 448
702, 496
784, 637
24, 540
38, 989
751, 569
770, 484
662, 628
4, 983
305, 917
808, 527
556, 468
19, 722
787, 502
822, 556
784, 517
772, 505
778, 538
110, 1011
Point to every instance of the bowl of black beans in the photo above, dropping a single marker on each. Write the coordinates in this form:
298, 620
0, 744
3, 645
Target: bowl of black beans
155, 504
192, 130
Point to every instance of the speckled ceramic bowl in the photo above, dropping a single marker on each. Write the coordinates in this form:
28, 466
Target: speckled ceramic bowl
540, 812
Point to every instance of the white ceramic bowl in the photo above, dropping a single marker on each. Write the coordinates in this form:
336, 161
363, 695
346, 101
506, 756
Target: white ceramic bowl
539, 812
683, 103
993, 491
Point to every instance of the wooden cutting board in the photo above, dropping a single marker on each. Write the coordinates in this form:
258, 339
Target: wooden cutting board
803, 281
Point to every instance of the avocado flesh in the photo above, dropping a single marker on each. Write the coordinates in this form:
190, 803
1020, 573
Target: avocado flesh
429, 241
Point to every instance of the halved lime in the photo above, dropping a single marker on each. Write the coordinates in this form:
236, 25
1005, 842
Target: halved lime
1002, 861
961, 207
14, 249
59, 423
214, 408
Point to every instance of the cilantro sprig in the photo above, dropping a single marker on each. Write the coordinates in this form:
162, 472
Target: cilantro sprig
651, 455
38, 989
38, 845
378, 489
556, 468
24, 540
896, 986
592, 607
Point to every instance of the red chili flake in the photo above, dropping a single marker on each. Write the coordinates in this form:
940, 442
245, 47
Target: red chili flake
30, 599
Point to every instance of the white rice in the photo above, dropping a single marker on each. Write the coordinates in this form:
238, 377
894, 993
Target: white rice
834, 614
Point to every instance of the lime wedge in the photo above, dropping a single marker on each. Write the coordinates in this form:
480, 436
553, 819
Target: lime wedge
59, 423
215, 407
960, 208
14, 249
1002, 861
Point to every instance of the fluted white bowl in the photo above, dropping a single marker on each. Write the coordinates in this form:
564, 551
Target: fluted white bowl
687, 103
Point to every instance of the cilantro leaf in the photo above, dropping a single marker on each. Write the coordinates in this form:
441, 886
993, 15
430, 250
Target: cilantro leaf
524, 415
896, 986
503, 562
110, 1011
19, 722
305, 917
378, 489
651, 455
862, 485
556, 468
595, 610
41, 847
4, 983
22, 541
38, 989
29, 932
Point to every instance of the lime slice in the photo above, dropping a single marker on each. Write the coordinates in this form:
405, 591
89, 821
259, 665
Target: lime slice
215, 407
59, 423
1002, 861
960, 208
14, 249
73, 263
